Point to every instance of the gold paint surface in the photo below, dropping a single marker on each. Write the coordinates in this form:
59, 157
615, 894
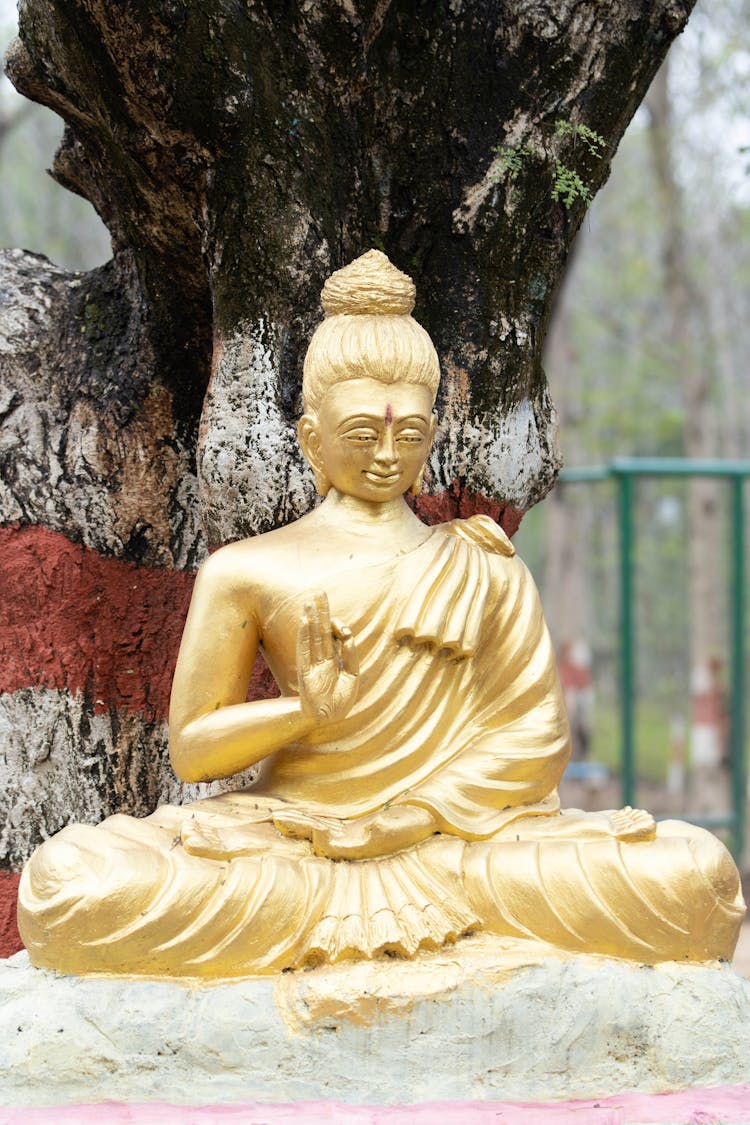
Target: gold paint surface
407, 792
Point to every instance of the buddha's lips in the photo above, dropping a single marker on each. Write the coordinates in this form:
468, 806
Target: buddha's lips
381, 478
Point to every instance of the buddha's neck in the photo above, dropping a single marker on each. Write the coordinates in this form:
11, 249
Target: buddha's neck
393, 519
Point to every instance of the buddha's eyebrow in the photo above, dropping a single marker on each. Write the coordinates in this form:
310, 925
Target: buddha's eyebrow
377, 419
358, 419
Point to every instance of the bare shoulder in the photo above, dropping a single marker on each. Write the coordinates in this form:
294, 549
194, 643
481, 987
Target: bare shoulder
249, 564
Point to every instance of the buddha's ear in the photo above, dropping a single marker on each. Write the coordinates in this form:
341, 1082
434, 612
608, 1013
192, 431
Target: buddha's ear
434, 421
308, 435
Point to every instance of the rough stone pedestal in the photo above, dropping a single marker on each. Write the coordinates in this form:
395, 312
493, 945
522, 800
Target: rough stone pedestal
480, 1020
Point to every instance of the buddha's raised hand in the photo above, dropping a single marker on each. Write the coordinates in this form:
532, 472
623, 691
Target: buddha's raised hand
327, 665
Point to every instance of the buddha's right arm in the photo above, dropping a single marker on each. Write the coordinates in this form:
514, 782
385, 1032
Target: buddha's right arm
213, 732
232, 738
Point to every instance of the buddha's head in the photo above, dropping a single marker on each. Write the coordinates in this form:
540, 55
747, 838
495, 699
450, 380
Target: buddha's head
370, 378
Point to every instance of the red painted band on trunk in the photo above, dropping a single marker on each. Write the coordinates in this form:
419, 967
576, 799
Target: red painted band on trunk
456, 503
73, 619
10, 939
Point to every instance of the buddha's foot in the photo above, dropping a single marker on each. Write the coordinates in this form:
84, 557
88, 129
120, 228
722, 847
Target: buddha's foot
220, 843
629, 825
384, 832
296, 824
211, 843
632, 824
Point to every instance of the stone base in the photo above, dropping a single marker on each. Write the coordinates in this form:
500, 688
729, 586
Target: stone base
501, 1021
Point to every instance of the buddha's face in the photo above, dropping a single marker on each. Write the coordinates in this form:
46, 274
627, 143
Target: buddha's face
370, 440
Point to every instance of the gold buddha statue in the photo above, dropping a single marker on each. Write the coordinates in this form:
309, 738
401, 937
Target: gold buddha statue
407, 785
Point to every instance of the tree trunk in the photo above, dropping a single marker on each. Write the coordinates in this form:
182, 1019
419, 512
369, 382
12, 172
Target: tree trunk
238, 153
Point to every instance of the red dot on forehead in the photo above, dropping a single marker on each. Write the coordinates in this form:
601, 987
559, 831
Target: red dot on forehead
388, 415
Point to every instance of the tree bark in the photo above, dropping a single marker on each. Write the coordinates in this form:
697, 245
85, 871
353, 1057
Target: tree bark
238, 153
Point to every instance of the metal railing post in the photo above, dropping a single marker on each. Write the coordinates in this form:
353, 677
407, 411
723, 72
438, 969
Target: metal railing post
627, 626
737, 692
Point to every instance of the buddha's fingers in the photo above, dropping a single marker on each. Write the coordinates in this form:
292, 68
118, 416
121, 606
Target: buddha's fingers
312, 613
350, 657
320, 628
304, 653
347, 648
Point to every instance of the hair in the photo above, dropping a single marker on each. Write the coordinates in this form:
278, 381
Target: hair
368, 332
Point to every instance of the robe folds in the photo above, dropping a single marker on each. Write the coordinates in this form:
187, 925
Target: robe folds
459, 712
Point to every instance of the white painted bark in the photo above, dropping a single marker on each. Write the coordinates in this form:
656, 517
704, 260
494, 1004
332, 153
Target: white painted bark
59, 763
252, 475
507, 454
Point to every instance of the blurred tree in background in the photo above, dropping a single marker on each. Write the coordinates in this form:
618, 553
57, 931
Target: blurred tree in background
646, 356
35, 212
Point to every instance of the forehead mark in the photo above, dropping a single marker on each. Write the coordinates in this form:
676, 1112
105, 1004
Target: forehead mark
388, 414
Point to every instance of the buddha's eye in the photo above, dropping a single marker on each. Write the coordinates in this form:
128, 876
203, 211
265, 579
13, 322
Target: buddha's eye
361, 437
410, 437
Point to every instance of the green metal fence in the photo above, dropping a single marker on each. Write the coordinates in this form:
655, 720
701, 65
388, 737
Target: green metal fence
625, 472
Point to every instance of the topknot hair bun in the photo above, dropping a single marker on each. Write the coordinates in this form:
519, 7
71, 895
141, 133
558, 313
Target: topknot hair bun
370, 285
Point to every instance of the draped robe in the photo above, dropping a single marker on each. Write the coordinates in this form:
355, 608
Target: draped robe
459, 712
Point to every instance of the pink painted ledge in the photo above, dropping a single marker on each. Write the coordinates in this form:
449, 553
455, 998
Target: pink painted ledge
720, 1105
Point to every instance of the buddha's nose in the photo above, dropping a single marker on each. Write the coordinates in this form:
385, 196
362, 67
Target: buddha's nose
385, 453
